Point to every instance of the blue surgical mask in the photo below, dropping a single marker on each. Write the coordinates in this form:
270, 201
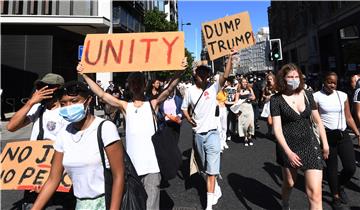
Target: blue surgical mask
293, 84
73, 113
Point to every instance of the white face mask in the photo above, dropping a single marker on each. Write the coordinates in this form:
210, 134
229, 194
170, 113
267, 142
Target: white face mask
293, 84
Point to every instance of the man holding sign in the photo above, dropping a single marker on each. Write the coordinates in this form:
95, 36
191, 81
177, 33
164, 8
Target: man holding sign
201, 97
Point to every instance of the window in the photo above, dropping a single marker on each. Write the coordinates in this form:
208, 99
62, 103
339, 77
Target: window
4, 4
32, 7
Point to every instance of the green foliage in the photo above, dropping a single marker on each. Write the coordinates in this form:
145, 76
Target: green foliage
155, 21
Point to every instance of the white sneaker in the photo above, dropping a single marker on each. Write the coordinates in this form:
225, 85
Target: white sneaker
226, 146
217, 193
228, 138
246, 144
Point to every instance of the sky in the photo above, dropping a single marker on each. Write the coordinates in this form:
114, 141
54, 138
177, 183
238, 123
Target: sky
198, 12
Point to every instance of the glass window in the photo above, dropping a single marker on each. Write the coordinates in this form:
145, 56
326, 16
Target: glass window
123, 17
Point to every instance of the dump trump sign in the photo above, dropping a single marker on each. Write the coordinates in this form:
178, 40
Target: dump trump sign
226, 33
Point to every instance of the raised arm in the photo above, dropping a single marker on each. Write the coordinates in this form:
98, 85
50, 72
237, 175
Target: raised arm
108, 98
228, 69
20, 118
172, 85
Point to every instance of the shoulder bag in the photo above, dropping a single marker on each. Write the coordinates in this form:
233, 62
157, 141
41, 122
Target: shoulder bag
168, 154
314, 126
134, 197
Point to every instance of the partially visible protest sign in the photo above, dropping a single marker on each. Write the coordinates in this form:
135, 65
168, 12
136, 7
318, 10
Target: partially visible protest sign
26, 165
126, 52
223, 34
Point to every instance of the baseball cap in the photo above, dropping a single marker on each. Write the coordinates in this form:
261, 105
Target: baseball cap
51, 79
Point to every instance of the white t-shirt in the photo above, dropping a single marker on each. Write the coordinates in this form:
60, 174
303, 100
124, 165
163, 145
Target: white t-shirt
82, 160
139, 130
204, 113
331, 109
52, 122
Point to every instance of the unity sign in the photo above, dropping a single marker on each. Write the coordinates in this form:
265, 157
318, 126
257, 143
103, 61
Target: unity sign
26, 165
133, 52
226, 33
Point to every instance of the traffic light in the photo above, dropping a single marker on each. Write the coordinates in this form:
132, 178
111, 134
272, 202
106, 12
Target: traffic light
275, 50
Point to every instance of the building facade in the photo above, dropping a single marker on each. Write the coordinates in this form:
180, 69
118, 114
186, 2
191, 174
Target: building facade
39, 37
318, 36
254, 58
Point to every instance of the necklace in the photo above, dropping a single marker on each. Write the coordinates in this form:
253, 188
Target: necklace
76, 140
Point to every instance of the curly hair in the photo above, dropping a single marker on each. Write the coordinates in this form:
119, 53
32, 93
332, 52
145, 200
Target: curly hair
281, 83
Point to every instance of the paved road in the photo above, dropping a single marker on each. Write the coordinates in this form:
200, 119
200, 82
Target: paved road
250, 180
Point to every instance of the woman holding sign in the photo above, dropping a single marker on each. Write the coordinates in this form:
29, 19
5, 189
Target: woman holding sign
77, 151
139, 114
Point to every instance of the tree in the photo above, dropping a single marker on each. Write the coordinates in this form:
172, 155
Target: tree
155, 21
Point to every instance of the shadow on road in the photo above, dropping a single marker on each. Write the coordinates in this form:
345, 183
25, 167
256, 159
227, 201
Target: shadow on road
274, 171
247, 190
195, 181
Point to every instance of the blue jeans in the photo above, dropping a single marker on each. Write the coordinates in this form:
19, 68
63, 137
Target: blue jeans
209, 148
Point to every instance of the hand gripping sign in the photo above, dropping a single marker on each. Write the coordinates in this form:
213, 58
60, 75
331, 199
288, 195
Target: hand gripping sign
133, 52
230, 32
25, 165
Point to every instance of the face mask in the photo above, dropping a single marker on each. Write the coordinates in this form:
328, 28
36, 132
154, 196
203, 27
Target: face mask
73, 113
293, 84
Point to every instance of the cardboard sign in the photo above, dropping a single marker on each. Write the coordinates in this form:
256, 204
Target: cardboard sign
26, 165
223, 34
133, 52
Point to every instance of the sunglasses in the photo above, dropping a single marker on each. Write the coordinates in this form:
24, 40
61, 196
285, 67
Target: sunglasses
73, 90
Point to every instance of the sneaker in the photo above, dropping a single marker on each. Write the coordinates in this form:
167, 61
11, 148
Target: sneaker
217, 193
228, 138
226, 146
246, 144
343, 196
251, 142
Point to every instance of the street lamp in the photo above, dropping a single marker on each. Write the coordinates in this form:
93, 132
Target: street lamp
182, 25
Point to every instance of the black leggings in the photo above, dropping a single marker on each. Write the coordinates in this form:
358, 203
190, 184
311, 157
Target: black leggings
340, 145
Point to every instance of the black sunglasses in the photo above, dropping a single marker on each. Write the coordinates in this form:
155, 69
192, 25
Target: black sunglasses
73, 90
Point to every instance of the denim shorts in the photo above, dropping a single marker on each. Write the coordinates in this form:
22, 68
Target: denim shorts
208, 147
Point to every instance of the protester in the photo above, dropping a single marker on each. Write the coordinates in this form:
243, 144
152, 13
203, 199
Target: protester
170, 111
335, 114
355, 85
139, 115
42, 109
268, 91
297, 146
246, 127
201, 97
153, 89
230, 90
42, 105
84, 166
255, 84
222, 114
